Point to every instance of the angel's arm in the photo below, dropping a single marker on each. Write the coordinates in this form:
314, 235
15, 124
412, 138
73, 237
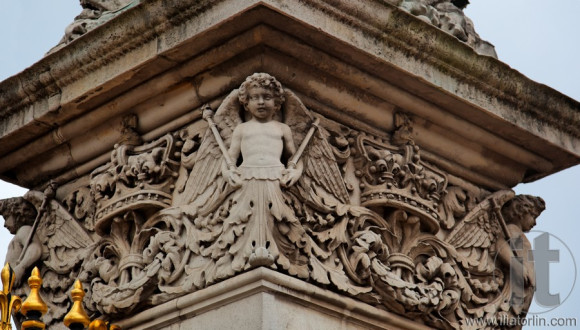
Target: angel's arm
231, 174
236, 143
504, 252
506, 257
293, 174
32, 254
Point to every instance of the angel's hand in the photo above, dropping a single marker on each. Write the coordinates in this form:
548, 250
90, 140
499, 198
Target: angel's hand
290, 176
206, 112
233, 177
18, 274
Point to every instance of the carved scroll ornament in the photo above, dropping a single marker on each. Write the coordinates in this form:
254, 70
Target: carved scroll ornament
359, 214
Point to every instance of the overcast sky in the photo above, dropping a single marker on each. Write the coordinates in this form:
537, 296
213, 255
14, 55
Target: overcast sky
541, 39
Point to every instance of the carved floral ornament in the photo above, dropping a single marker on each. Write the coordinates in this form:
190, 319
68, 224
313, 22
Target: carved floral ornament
270, 183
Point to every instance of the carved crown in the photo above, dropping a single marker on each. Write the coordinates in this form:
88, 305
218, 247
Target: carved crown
136, 178
395, 176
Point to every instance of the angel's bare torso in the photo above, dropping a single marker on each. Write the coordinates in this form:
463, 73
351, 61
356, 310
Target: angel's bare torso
261, 143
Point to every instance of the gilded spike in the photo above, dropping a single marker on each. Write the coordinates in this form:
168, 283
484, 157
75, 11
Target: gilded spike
34, 307
77, 318
103, 325
8, 302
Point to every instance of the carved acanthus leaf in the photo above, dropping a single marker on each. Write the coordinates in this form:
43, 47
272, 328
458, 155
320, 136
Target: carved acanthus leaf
367, 217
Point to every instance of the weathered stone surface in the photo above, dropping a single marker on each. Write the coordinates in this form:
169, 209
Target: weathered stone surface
270, 183
264, 299
448, 15
94, 13
376, 164
478, 102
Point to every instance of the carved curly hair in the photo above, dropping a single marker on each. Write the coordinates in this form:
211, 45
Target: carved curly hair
515, 209
19, 208
265, 81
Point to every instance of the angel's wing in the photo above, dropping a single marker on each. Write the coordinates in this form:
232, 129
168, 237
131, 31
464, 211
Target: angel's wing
478, 232
65, 239
320, 165
480, 227
207, 164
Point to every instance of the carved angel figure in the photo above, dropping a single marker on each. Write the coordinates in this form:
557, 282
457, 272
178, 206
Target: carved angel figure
241, 206
492, 235
18, 219
515, 252
54, 241
261, 142
243, 217
246, 197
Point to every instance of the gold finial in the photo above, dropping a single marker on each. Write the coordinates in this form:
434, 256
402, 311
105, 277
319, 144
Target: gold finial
34, 307
77, 316
8, 302
103, 325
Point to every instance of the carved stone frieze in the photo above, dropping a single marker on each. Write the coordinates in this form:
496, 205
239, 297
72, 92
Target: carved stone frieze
267, 182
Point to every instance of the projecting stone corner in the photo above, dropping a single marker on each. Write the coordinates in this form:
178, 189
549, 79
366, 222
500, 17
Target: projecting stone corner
224, 153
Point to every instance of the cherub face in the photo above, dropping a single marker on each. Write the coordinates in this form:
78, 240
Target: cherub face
527, 216
10, 224
528, 222
261, 103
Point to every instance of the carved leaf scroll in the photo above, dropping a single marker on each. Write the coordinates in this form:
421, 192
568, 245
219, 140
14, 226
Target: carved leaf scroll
368, 218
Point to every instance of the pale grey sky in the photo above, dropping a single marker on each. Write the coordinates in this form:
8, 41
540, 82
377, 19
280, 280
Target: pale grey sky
536, 37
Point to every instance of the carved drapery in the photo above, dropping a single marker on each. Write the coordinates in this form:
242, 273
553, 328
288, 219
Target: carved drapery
367, 218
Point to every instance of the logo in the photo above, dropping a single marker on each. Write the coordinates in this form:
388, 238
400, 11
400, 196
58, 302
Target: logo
555, 271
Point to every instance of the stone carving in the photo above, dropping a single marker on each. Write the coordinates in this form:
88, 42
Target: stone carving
137, 177
269, 183
54, 241
448, 16
81, 205
396, 176
94, 13
19, 217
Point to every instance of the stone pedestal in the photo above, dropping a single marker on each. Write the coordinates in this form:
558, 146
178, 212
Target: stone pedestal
395, 213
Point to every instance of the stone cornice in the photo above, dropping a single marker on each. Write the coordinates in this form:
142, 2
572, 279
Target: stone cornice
91, 52
42, 95
400, 30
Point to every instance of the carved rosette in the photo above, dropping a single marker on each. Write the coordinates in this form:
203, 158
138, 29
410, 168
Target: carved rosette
367, 218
